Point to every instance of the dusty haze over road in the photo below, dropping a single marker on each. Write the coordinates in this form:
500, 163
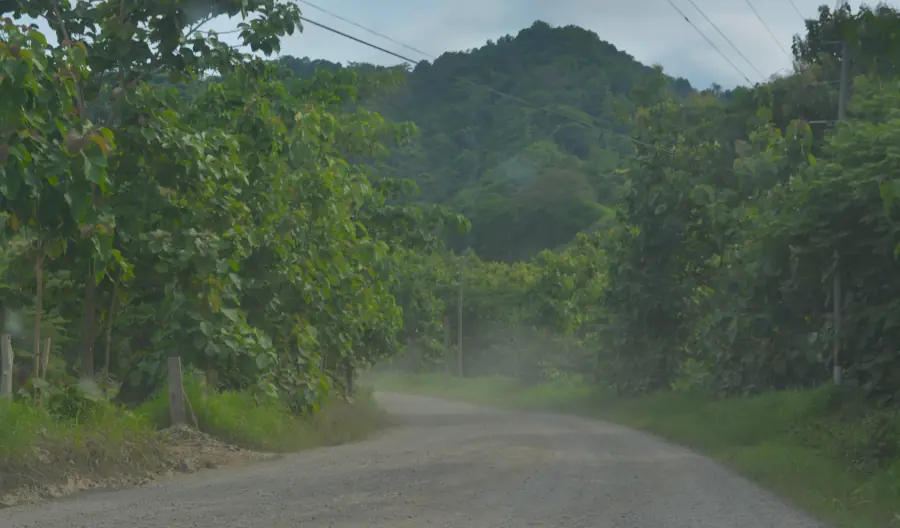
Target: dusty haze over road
446, 465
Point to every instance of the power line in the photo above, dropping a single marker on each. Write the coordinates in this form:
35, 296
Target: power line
766, 26
728, 40
364, 28
711, 43
794, 5
363, 42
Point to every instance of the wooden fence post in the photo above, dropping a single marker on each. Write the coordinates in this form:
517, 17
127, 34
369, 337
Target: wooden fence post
45, 358
42, 369
351, 381
176, 391
6, 366
448, 352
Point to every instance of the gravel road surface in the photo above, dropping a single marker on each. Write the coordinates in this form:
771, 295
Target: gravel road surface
446, 465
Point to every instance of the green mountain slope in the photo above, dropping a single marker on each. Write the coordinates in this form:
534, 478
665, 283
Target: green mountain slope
534, 167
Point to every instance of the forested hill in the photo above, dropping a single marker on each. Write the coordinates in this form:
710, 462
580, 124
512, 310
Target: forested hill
529, 171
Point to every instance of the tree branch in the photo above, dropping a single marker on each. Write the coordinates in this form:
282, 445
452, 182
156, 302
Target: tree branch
65, 34
200, 23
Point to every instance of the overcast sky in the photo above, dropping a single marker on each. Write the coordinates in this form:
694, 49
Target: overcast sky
650, 30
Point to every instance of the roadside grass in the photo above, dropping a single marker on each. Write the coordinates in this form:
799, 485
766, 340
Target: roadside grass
40, 450
237, 418
37, 448
824, 450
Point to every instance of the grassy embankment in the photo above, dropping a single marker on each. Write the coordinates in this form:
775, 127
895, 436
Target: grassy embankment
105, 441
825, 451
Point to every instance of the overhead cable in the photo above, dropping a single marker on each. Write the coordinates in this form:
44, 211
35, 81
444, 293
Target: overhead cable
710, 42
768, 30
728, 40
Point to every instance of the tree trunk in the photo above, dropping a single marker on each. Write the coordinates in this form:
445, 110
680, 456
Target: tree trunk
86, 354
38, 309
109, 326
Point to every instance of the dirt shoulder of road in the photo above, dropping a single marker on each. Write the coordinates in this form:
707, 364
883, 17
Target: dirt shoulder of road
44, 459
56, 473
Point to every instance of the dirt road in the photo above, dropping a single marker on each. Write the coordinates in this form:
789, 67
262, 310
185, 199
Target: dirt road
446, 465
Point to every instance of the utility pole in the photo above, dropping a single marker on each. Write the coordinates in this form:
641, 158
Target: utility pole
842, 115
459, 323
448, 352
845, 80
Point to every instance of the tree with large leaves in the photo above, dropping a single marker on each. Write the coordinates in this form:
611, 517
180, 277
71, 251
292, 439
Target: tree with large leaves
243, 240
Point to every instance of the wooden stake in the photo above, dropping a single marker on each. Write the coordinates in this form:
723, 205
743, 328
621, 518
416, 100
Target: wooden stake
6, 366
447, 350
176, 391
42, 372
45, 358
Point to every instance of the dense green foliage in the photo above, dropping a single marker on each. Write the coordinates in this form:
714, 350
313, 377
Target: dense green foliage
529, 176
721, 272
163, 194
624, 227
734, 213
222, 223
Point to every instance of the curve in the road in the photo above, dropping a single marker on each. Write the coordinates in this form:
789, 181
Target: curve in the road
447, 465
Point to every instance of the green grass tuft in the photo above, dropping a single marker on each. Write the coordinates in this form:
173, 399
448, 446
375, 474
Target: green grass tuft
237, 418
39, 448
